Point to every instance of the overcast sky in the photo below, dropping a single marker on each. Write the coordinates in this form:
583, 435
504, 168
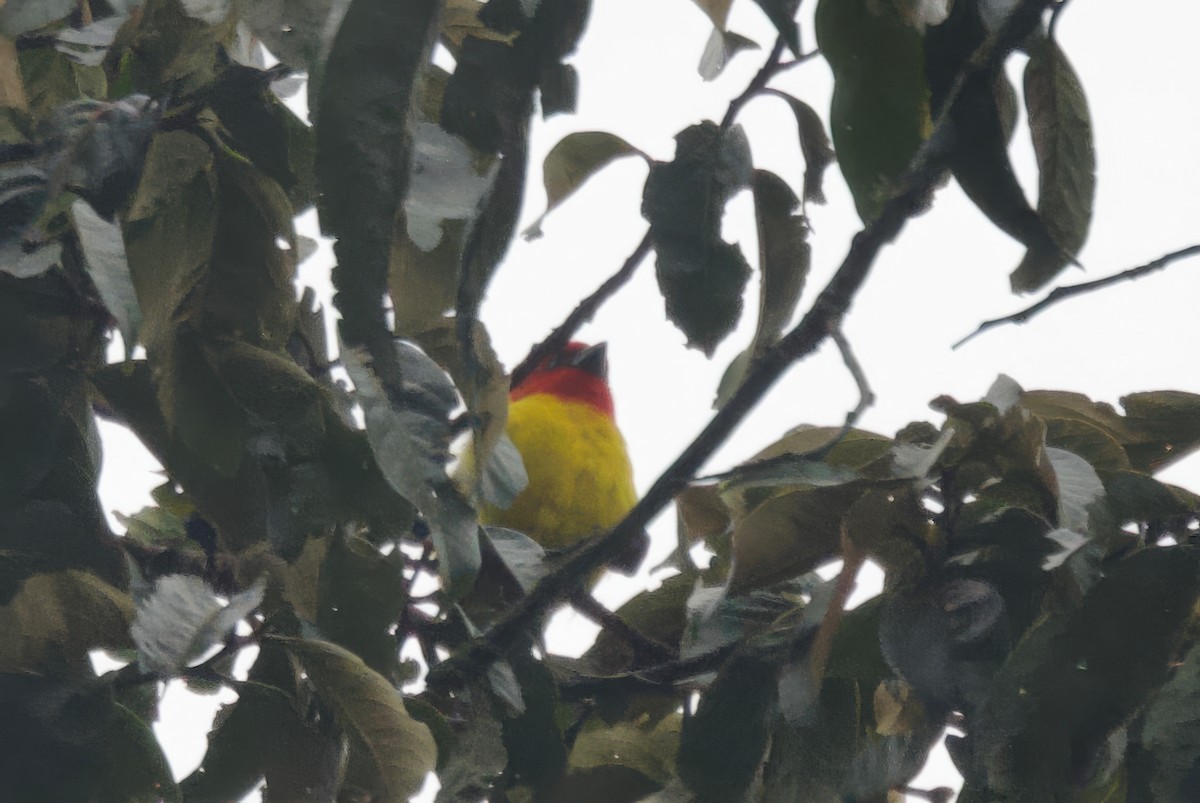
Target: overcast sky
947, 272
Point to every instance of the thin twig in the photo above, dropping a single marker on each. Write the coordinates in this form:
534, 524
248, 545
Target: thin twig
1061, 293
912, 195
865, 395
660, 676
582, 313
757, 84
645, 649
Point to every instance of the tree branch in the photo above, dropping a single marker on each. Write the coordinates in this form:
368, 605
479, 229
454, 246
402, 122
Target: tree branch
913, 192
582, 313
1062, 293
645, 649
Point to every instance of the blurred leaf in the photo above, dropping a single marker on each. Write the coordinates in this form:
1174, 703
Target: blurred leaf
461, 19
297, 32
722, 46
1167, 427
782, 15
717, 11
1079, 487
49, 725
576, 158
523, 557
182, 619
701, 276
814, 145
659, 615
54, 620
19, 18
1072, 679
788, 535
367, 706
51, 79
448, 181
1170, 734
410, 437
1063, 143
784, 255
979, 155
724, 742
533, 738
649, 749
475, 759
880, 111
104, 253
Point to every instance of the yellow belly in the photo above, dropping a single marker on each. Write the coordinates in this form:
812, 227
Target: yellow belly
580, 478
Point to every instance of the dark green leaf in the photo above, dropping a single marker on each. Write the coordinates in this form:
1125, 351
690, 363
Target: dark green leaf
880, 111
784, 256
1170, 734
782, 15
1062, 141
701, 276
1166, 425
723, 744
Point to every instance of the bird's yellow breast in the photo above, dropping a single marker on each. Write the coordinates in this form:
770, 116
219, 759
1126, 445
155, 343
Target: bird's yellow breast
580, 478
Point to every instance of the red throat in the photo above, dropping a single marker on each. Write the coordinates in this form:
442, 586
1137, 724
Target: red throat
567, 382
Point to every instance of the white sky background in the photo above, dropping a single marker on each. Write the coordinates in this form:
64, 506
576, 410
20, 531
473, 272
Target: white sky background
947, 272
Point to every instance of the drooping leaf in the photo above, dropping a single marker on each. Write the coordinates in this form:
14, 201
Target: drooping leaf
104, 253
722, 46
1062, 141
571, 162
364, 149
401, 750
182, 619
411, 439
814, 145
880, 111
701, 276
717, 11
783, 252
979, 152
1079, 487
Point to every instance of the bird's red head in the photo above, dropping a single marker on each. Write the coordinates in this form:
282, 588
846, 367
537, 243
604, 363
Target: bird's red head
578, 372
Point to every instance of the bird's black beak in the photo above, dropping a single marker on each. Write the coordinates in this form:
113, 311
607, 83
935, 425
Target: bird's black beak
593, 359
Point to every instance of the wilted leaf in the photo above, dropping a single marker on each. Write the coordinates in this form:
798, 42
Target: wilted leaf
576, 158
1062, 141
366, 705
182, 619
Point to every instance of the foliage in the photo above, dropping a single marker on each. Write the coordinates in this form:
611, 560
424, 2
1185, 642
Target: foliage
1041, 584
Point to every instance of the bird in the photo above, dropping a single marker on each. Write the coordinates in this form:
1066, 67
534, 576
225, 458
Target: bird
561, 420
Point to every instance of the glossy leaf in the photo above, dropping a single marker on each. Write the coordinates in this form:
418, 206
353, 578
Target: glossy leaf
1062, 141
576, 158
